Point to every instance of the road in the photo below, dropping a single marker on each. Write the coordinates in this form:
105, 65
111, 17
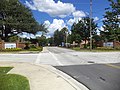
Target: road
95, 76
96, 70
18, 57
61, 57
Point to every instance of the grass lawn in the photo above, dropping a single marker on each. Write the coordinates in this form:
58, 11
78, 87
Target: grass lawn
4, 70
12, 81
94, 50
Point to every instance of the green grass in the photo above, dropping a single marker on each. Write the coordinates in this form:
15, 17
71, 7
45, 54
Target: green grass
12, 81
95, 50
4, 70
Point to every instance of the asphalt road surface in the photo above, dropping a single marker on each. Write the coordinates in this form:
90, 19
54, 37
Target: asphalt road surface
61, 57
95, 76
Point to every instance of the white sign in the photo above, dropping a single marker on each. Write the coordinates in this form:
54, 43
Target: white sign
108, 44
10, 45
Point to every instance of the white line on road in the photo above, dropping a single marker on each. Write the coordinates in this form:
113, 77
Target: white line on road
56, 59
37, 61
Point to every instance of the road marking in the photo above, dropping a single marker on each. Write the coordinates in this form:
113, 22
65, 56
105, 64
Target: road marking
37, 61
113, 66
55, 58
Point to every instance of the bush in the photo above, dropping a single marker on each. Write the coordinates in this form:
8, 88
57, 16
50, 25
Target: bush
117, 48
105, 48
36, 49
32, 46
12, 49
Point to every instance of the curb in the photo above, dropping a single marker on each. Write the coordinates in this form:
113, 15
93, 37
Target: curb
74, 83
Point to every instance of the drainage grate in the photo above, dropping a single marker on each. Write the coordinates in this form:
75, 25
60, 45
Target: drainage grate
91, 62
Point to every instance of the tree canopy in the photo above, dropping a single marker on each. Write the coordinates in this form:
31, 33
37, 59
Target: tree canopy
15, 18
60, 36
112, 21
81, 30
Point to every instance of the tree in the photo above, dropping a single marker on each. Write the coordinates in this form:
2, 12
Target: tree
42, 40
81, 30
112, 21
63, 34
50, 41
57, 38
60, 36
13, 39
15, 18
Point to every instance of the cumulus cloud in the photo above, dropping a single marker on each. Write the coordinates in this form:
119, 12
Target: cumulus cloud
96, 19
30, 6
51, 7
70, 22
78, 14
56, 24
47, 23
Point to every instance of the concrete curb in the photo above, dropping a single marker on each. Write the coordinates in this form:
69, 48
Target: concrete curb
74, 83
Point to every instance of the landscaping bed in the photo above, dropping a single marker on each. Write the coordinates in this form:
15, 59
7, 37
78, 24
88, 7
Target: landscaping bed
19, 49
12, 81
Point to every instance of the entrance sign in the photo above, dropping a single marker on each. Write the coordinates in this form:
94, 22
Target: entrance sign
10, 45
108, 44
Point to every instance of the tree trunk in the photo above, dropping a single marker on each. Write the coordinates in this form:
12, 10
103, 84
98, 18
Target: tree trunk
85, 43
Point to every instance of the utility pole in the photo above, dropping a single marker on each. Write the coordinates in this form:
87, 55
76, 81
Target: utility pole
90, 24
66, 38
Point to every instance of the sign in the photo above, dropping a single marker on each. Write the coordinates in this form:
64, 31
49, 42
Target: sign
108, 44
10, 45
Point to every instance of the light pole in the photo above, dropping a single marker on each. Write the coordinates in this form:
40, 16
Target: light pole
90, 24
66, 37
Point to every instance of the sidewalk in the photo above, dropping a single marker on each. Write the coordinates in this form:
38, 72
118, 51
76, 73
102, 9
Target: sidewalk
41, 77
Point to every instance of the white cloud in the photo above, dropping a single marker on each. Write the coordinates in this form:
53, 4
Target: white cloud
51, 7
30, 6
96, 19
70, 22
56, 24
47, 23
78, 14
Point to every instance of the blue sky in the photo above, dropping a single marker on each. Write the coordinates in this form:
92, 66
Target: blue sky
57, 14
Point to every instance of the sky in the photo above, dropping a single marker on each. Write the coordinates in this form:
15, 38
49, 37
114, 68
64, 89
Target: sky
56, 14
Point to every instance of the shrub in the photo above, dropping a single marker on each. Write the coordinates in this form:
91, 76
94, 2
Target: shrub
12, 49
36, 49
105, 48
32, 46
